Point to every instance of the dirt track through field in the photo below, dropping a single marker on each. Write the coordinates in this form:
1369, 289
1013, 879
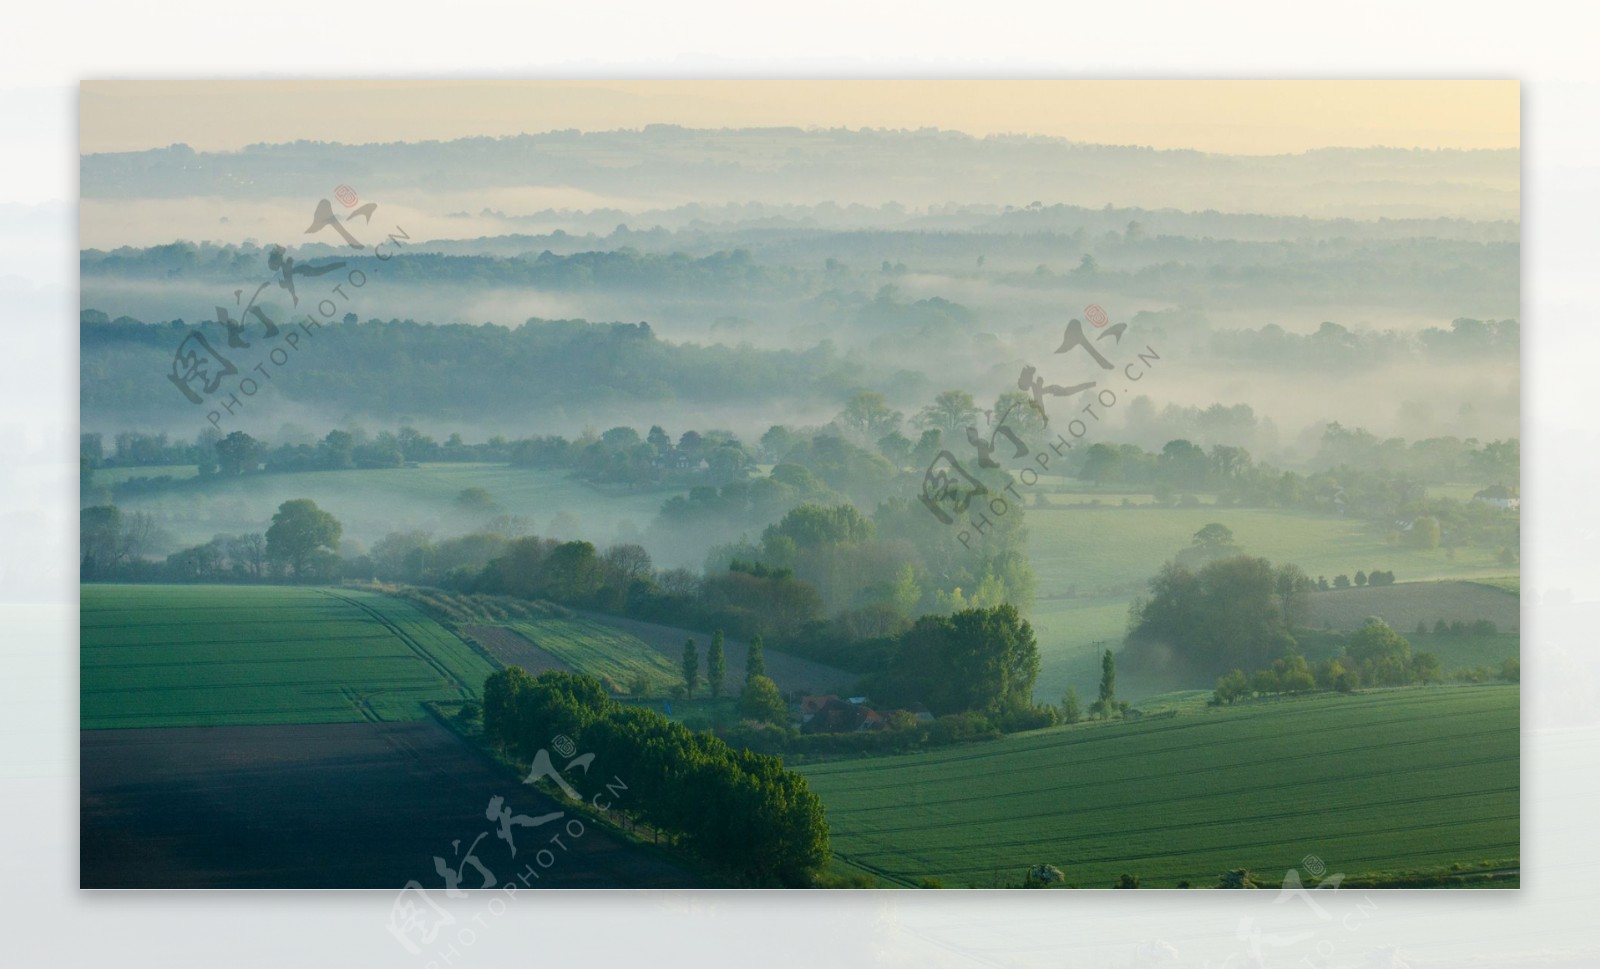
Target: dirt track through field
354, 805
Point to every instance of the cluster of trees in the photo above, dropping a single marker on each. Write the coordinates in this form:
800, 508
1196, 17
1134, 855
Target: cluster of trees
1232, 619
1459, 628
1509, 669
463, 372
1334, 346
354, 448
982, 661
621, 268
138, 448
760, 700
1445, 459
974, 669
740, 811
621, 456
875, 574
747, 601
1374, 656
111, 542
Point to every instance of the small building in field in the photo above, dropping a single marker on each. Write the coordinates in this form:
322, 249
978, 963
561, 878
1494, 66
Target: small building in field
1502, 497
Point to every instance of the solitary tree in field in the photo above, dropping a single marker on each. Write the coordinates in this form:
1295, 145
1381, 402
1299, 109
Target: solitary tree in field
476, 499
755, 661
300, 532
1071, 710
691, 666
716, 665
1215, 536
1106, 705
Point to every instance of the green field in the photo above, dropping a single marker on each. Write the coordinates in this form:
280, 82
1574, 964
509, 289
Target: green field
1510, 584
172, 656
373, 502
1089, 564
613, 657
1378, 781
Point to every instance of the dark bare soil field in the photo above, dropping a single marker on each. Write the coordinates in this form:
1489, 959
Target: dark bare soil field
355, 805
513, 650
1404, 605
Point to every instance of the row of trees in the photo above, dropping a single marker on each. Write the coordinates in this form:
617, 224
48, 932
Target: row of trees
1334, 346
1377, 577
480, 372
240, 453
739, 811
760, 700
1375, 656
621, 456
300, 544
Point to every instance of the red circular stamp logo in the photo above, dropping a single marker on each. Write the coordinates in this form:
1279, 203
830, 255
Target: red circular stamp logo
1096, 314
347, 195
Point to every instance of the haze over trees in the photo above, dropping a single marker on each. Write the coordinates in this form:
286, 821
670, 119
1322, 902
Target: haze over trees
1229, 613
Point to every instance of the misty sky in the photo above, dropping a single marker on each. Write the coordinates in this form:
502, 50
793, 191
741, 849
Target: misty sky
1239, 117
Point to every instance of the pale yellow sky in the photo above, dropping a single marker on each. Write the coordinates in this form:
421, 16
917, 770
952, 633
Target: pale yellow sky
1243, 117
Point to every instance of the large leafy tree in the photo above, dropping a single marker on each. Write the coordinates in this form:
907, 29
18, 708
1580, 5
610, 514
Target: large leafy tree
1200, 624
984, 659
239, 454
571, 573
300, 534
762, 701
951, 414
869, 416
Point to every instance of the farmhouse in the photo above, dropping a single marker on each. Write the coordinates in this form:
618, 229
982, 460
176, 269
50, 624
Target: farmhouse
1499, 497
829, 714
